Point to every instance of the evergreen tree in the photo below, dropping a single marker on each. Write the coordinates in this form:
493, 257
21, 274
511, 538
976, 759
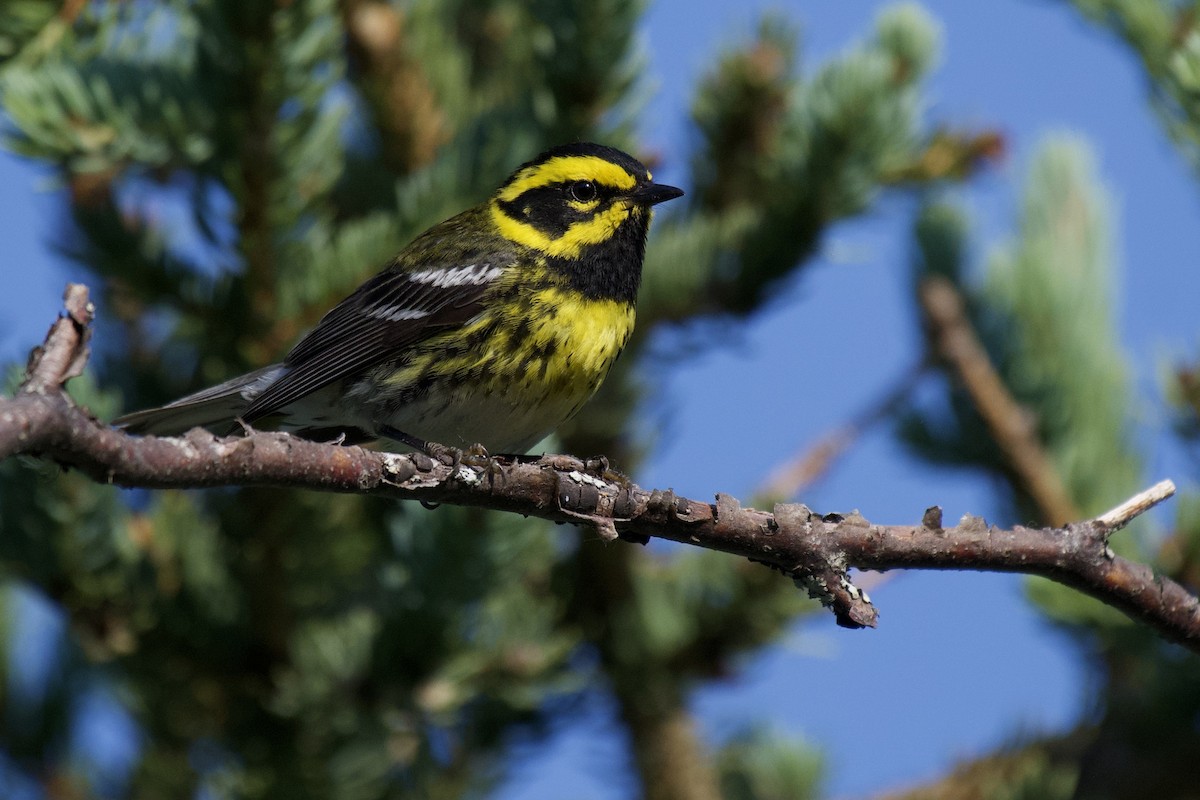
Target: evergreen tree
234, 168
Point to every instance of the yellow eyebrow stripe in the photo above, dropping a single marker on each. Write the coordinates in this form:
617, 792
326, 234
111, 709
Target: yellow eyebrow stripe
564, 169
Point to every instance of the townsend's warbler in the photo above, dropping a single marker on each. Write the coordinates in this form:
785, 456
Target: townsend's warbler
490, 328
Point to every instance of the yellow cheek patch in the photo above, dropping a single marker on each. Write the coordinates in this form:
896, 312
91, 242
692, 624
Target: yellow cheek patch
583, 208
571, 244
565, 169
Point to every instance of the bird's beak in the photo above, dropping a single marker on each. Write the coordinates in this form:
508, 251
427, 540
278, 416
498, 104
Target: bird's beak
654, 193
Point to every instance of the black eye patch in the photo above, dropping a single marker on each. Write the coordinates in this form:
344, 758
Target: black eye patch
548, 208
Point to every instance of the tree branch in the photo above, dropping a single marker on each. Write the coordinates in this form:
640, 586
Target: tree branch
801, 472
817, 550
410, 120
1012, 427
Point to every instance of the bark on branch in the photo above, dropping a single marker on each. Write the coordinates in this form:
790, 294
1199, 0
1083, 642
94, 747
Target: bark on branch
817, 550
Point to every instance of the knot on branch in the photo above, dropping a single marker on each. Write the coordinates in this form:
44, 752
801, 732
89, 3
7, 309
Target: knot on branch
823, 571
598, 502
931, 520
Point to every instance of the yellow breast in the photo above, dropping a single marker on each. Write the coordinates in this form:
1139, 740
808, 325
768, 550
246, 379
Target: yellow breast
522, 375
574, 340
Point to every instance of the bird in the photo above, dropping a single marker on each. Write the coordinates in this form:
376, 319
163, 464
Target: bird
489, 330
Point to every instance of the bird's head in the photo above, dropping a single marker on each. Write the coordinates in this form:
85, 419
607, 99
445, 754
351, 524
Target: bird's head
576, 198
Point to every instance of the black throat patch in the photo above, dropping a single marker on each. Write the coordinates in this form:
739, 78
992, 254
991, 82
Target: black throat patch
612, 269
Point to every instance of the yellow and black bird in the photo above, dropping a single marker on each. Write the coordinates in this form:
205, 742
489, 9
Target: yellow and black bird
491, 328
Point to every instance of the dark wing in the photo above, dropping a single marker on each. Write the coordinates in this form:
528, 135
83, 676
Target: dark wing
388, 313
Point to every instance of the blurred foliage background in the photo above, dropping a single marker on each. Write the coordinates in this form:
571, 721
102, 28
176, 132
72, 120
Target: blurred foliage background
232, 169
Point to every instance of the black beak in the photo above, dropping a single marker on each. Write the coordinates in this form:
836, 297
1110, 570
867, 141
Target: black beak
654, 193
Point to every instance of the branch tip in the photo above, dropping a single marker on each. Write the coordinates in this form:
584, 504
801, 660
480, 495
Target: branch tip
78, 304
1139, 504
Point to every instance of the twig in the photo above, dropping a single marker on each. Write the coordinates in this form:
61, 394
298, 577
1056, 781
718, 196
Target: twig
791, 478
1011, 426
817, 550
1139, 504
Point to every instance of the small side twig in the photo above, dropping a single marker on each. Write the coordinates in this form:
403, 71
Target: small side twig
1139, 504
791, 478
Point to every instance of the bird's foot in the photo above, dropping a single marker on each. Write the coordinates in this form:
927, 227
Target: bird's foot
474, 456
518, 458
599, 466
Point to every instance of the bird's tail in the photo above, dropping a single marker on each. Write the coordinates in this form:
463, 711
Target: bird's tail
216, 408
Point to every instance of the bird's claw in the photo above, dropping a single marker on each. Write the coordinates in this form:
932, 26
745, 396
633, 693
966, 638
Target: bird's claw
596, 465
474, 456
599, 466
446, 454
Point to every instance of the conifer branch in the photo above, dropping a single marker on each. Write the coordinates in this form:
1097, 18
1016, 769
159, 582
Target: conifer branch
797, 474
1012, 427
411, 123
817, 550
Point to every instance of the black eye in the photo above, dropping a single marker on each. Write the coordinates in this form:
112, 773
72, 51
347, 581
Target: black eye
582, 191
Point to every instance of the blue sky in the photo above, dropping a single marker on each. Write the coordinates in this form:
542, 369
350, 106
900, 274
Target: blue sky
959, 663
